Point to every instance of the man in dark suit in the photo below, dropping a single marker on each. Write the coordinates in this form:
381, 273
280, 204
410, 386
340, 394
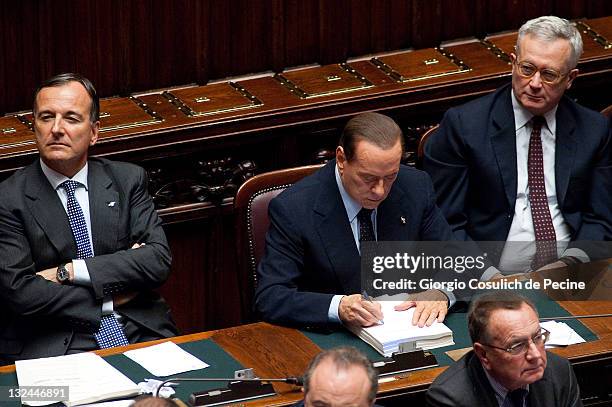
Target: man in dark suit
81, 246
508, 365
527, 152
310, 273
340, 377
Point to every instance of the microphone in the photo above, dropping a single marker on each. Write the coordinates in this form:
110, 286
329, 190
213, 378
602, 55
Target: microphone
239, 389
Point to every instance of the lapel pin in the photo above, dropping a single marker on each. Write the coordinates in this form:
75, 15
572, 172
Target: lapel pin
111, 204
403, 220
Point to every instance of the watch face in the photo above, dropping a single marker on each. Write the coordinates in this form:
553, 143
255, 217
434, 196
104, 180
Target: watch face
62, 274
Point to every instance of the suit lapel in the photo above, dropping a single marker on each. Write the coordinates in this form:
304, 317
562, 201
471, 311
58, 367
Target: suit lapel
479, 380
46, 208
565, 150
335, 232
503, 141
103, 209
391, 222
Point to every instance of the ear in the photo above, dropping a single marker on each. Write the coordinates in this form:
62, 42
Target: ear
95, 130
340, 159
513, 59
570, 77
481, 353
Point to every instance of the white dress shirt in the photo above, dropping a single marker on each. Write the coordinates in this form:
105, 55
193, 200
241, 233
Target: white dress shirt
519, 250
79, 267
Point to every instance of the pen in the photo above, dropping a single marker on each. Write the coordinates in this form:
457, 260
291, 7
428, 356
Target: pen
366, 297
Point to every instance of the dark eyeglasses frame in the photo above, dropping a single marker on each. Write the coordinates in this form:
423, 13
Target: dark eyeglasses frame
522, 347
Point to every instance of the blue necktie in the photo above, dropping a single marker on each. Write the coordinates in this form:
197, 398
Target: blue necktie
110, 333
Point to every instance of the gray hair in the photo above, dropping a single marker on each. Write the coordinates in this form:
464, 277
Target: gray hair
551, 28
344, 357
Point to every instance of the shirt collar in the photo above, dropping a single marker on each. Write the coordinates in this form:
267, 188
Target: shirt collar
498, 388
55, 178
352, 207
522, 116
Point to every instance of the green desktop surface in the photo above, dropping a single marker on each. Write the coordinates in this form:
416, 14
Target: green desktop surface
457, 322
221, 365
224, 365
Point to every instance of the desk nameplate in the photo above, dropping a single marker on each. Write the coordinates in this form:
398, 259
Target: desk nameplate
212, 99
125, 113
323, 81
15, 131
420, 65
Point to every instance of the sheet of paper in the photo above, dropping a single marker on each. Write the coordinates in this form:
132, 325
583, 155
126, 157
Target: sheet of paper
89, 378
165, 359
561, 334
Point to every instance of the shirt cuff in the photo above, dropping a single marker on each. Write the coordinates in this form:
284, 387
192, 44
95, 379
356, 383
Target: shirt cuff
578, 253
81, 274
451, 297
333, 314
107, 306
488, 273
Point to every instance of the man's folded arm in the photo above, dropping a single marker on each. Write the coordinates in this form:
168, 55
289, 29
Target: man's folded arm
143, 268
30, 295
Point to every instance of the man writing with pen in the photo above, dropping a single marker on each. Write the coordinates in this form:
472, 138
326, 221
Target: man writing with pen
81, 246
310, 273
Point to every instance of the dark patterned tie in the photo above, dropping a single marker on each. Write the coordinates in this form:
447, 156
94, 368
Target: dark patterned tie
110, 333
366, 232
545, 238
517, 398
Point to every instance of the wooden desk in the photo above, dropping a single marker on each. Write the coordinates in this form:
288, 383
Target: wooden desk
275, 351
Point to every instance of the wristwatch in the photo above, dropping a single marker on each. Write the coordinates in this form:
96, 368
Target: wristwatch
63, 276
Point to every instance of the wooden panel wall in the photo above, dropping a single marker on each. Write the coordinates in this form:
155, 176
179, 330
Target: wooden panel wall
128, 46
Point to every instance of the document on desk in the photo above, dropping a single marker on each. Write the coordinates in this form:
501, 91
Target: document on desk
561, 334
89, 378
398, 328
165, 359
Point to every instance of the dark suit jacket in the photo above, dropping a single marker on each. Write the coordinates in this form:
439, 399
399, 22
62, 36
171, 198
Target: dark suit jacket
310, 251
472, 162
39, 316
465, 384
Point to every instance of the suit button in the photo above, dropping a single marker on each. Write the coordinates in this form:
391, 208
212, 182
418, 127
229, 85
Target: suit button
509, 216
65, 341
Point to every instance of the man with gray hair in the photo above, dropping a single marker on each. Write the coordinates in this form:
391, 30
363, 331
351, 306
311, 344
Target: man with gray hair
527, 164
340, 376
508, 366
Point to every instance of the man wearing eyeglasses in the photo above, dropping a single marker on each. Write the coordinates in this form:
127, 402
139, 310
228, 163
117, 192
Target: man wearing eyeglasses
527, 164
508, 365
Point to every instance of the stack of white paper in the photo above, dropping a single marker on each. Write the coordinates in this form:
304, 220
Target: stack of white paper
89, 378
561, 334
398, 328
